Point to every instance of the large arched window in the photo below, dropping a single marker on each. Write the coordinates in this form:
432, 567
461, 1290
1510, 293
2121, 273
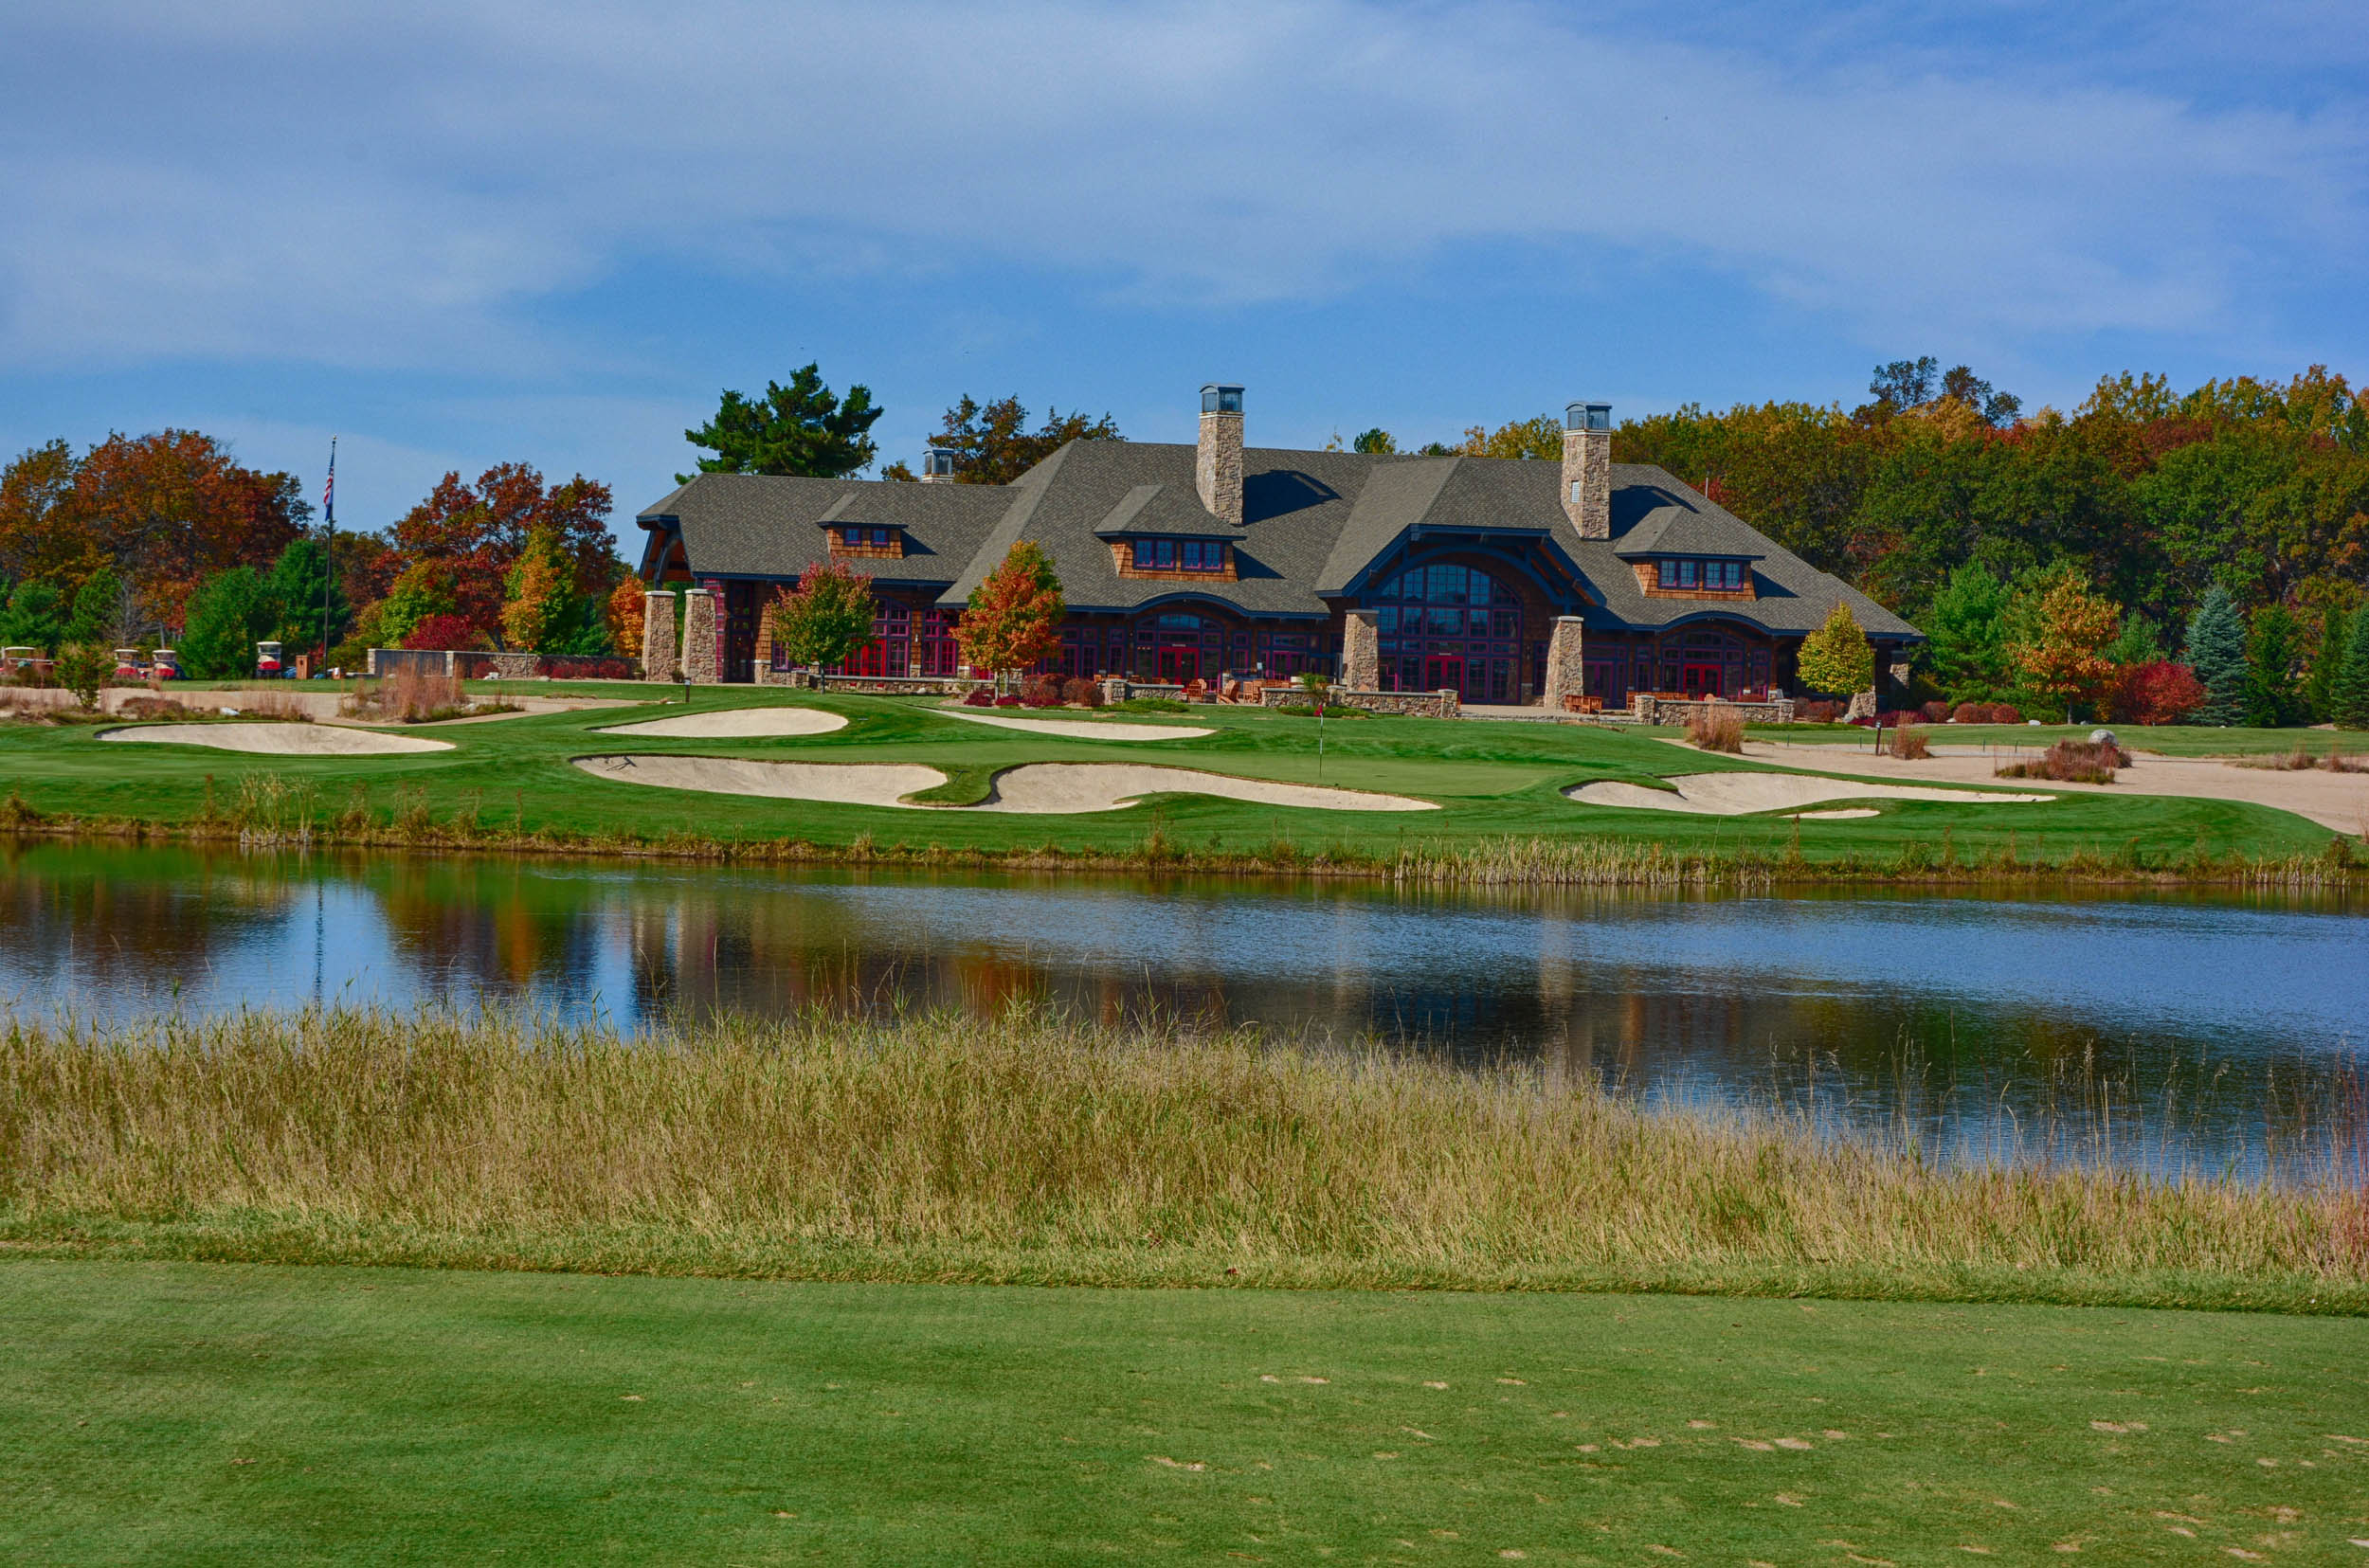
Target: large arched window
1446, 625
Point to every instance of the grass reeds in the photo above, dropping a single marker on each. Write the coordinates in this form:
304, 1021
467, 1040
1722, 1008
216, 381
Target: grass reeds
2303, 759
2072, 762
1711, 729
1031, 1148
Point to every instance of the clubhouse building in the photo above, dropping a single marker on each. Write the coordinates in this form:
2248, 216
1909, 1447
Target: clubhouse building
1506, 581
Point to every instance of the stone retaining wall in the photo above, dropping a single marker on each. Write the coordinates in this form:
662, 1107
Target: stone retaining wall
1667, 711
896, 686
1441, 704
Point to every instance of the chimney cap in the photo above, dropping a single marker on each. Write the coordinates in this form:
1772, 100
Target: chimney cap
938, 462
1586, 414
1219, 398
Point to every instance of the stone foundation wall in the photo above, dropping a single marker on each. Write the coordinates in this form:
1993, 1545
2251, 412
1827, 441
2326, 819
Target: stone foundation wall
513, 666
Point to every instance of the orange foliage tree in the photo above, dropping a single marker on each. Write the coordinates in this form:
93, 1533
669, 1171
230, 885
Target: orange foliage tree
1014, 617
2063, 652
480, 530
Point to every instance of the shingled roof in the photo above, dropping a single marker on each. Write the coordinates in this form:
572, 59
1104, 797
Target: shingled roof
1314, 525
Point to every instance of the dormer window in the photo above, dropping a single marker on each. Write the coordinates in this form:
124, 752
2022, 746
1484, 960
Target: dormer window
1716, 576
861, 538
1179, 556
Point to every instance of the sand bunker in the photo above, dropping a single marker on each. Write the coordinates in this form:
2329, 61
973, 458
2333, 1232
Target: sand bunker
278, 740
731, 723
1059, 788
1037, 789
1082, 729
839, 784
1835, 815
1734, 794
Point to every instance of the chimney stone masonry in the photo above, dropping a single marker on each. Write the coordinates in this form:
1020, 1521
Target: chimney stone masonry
1218, 466
1587, 468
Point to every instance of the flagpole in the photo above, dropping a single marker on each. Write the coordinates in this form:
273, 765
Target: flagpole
329, 547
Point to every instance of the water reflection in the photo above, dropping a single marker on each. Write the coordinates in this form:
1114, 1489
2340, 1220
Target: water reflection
2161, 1031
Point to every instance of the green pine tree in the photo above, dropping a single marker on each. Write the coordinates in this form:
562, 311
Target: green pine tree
2217, 651
2327, 662
2348, 695
96, 603
35, 617
2274, 646
230, 612
295, 584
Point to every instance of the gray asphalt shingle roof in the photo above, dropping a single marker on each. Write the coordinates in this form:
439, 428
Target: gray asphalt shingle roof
1314, 523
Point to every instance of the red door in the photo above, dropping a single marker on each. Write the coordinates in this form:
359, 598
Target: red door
1180, 665
1442, 671
1702, 680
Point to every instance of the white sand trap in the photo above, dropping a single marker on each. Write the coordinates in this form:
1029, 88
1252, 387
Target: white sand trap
1037, 789
1734, 794
727, 723
1060, 788
1088, 729
1835, 815
838, 784
278, 740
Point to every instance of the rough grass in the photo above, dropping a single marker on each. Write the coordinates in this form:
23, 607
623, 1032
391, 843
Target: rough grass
1032, 1148
1712, 730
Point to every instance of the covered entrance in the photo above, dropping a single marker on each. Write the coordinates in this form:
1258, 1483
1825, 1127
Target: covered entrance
1449, 627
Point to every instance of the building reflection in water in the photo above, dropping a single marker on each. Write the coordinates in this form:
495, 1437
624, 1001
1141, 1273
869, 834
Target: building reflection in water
1962, 1021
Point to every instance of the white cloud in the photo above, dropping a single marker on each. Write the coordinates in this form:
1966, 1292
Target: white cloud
382, 185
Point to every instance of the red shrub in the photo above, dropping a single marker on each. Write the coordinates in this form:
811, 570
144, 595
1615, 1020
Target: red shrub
1007, 702
1044, 692
980, 697
1935, 713
1084, 692
1818, 712
2161, 692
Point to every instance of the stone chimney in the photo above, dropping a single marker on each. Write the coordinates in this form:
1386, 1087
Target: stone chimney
1587, 468
1218, 466
937, 466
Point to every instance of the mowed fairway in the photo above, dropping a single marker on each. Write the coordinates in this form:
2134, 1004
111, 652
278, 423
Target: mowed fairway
197, 1413
513, 779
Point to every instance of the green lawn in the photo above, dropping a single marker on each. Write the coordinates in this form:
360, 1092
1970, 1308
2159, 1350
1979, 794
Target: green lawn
1493, 780
194, 1413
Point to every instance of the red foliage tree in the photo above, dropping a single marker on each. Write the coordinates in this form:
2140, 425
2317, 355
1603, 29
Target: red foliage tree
2160, 692
481, 528
1014, 617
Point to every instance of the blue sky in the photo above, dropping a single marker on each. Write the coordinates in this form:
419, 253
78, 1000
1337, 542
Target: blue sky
458, 234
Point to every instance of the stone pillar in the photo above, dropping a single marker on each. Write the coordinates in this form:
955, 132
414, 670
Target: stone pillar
1566, 674
698, 637
1361, 651
1449, 707
1862, 706
657, 637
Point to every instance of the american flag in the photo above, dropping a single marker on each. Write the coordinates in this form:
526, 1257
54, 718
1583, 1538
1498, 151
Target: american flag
329, 487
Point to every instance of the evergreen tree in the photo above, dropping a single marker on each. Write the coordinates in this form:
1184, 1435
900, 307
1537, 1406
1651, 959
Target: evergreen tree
297, 581
2274, 646
96, 604
1837, 658
804, 429
1965, 651
2327, 663
2216, 652
35, 617
2348, 695
230, 612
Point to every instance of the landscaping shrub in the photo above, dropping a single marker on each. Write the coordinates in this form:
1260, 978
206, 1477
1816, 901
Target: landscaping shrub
146, 707
2158, 692
1817, 710
1910, 745
1934, 713
1711, 729
979, 697
562, 667
1080, 692
1044, 692
2072, 762
1007, 702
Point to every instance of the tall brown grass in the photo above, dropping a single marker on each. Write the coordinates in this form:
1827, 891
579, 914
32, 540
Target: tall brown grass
1028, 1147
2072, 762
1712, 729
408, 695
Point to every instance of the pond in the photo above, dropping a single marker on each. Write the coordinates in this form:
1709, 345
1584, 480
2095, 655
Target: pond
2167, 1032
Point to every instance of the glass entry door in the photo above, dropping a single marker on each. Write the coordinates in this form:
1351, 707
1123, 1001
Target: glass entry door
1443, 671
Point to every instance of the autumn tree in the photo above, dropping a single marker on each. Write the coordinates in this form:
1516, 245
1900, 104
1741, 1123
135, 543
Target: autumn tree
626, 606
804, 429
825, 618
2158, 691
1837, 658
424, 591
1014, 617
473, 534
992, 444
541, 606
1540, 437
2061, 654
